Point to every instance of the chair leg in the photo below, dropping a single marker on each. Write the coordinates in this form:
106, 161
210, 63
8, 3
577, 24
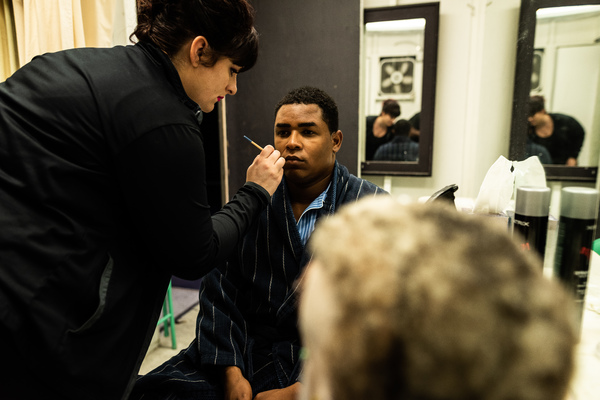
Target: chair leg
172, 317
168, 318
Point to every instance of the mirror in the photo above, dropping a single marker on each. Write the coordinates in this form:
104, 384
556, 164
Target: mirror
558, 58
400, 62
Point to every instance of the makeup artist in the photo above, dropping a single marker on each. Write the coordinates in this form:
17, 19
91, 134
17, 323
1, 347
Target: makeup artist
103, 195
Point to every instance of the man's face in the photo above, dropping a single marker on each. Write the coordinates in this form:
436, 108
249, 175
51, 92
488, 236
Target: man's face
304, 140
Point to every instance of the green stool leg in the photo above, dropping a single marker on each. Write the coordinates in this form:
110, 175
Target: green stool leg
596, 246
168, 318
172, 317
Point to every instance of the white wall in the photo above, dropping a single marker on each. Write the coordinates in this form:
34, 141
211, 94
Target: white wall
475, 74
381, 45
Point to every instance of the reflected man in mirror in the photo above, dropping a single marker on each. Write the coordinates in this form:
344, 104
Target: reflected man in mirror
380, 127
560, 134
401, 147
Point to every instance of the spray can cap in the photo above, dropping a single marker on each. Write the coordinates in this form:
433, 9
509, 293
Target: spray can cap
578, 202
532, 201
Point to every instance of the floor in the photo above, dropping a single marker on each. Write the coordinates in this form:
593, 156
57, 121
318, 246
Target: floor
161, 348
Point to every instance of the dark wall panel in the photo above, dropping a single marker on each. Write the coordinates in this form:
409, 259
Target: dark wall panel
308, 42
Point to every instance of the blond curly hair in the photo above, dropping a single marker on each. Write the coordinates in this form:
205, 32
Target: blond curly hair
424, 302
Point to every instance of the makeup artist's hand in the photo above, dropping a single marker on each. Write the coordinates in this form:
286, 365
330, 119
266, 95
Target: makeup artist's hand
267, 169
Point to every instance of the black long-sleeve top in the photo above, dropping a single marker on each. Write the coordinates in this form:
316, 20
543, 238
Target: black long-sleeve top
102, 198
565, 141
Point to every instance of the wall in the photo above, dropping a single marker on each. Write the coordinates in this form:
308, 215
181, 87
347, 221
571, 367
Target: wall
398, 46
476, 63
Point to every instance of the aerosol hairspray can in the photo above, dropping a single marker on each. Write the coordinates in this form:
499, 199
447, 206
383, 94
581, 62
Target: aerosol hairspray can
576, 227
532, 205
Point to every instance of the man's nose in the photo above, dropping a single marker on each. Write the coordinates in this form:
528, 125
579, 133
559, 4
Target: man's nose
294, 140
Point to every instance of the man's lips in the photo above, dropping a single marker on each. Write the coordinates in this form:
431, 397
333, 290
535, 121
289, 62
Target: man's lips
219, 98
292, 160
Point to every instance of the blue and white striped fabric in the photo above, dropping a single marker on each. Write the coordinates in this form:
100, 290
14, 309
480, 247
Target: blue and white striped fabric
306, 223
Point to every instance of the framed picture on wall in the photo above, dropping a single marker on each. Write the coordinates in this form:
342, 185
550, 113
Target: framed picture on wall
397, 77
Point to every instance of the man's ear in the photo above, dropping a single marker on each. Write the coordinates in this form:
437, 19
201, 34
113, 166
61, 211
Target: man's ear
337, 138
197, 49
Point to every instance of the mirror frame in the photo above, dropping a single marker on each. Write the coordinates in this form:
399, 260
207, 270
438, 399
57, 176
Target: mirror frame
522, 85
430, 12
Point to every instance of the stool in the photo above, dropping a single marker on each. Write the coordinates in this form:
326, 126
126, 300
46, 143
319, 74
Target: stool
168, 317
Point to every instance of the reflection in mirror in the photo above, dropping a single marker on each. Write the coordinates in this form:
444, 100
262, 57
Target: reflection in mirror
556, 112
394, 76
400, 50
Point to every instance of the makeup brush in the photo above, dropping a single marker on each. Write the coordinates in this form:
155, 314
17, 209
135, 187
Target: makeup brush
251, 141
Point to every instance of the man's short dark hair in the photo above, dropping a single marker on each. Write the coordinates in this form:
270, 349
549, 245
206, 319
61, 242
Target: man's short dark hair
313, 95
391, 108
536, 104
402, 128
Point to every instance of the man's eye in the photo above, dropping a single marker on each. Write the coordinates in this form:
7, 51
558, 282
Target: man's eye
283, 133
308, 133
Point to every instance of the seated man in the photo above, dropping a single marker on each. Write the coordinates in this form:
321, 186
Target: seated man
247, 341
401, 147
424, 302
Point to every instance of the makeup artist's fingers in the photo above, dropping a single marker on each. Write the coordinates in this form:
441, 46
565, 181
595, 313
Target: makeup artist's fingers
267, 169
274, 155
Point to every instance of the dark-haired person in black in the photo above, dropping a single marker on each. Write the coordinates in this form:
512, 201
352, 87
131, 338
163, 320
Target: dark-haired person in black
103, 195
380, 127
560, 134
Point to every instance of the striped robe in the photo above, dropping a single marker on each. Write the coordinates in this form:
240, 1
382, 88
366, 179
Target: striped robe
248, 314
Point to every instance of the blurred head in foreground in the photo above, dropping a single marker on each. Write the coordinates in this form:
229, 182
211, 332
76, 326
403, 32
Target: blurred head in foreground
423, 302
